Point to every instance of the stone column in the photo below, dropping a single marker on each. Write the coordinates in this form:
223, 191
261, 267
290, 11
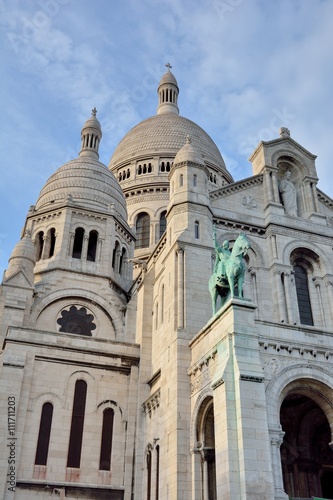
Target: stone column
180, 288
99, 249
280, 297
320, 300
46, 247
85, 247
71, 244
288, 278
274, 246
254, 288
276, 194
315, 198
329, 285
268, 186
276, 437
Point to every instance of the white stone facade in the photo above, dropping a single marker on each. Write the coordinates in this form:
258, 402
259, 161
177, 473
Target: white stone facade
236, 406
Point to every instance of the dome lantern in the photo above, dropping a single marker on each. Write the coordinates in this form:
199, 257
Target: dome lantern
91, 135
168, 93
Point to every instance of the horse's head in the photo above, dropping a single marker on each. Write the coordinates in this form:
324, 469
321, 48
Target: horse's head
241, 245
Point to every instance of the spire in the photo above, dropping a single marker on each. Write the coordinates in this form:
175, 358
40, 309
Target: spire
168, 93
91, 135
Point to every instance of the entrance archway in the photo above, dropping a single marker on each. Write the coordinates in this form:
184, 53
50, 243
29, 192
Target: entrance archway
306, 456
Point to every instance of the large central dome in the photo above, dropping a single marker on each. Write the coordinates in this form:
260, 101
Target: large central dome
165, 135
143, 161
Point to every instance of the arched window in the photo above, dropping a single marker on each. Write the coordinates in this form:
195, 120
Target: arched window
76, 434
52, 237
162, 304
196, 230
303, 296
163, 222
121, 260
106, 443
142, 230
39, 245
206, 436
149, 467
78, 243
157, 472
44, 434
115, 256
194, 180
181, 180
92, 246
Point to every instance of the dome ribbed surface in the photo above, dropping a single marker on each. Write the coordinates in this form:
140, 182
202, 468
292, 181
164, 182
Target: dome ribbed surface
166, 135
88, 183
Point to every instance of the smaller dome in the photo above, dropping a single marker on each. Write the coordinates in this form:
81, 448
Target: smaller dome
189, 153
168, 77
23, 256
92, 122
87, 182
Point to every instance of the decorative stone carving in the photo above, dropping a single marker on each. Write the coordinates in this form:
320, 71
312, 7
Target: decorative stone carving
249, 202
76, 321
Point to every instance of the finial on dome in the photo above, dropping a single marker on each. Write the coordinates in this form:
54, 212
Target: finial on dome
188, 139
167, 93
91, 135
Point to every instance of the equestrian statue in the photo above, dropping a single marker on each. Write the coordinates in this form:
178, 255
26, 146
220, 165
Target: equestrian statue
229, 269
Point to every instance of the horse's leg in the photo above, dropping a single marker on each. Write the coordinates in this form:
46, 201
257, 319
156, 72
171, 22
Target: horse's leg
214, 297
231, 281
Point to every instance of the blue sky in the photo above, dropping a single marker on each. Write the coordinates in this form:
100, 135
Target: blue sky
244, 68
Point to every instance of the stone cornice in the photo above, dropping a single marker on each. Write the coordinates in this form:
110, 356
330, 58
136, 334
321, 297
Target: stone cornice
239, 226
236, 186
281, 141
325, 199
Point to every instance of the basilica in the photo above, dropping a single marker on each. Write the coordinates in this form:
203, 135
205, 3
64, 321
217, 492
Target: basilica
131, 368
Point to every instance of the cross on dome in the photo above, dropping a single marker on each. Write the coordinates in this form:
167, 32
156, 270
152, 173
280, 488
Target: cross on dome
94, 111
168, 65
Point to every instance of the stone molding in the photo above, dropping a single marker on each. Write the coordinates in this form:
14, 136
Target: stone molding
237, 186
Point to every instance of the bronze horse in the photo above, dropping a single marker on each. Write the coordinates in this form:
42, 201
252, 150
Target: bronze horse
224, 285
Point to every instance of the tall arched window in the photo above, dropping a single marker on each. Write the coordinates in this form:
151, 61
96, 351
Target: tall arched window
196, 230
181, 180
39, 245
78, 243
163, 222
106, 443
149, 468
142, 230
44, 434
206, 436
76, 434
92, 246
157, 472
115, 256
303, 296
52, 237
121, 260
